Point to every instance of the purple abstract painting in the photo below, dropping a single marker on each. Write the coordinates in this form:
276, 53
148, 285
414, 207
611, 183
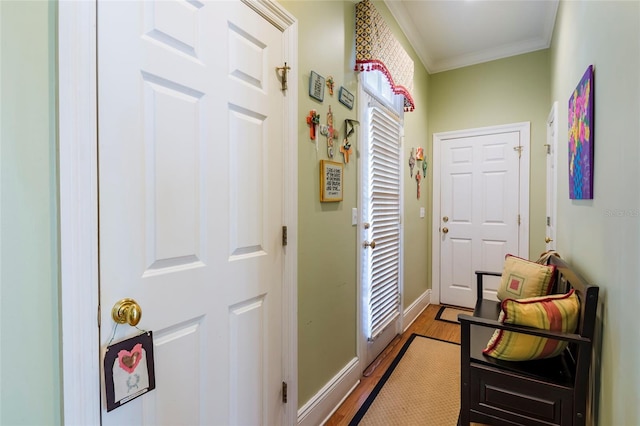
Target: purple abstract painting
581, 139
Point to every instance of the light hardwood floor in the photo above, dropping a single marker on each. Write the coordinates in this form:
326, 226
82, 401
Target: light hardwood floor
425, 324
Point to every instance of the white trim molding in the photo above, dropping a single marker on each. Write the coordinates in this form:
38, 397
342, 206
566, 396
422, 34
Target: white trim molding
323, 404
523, 203
77, 124
415, 309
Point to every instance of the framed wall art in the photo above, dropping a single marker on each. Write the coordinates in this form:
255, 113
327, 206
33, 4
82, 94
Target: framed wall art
581, 131
331, 174
316, 86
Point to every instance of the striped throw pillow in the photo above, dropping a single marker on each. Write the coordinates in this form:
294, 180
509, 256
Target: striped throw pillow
557, 312
522, 278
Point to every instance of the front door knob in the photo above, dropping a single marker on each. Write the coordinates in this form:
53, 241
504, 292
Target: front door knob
126, 311
445, 230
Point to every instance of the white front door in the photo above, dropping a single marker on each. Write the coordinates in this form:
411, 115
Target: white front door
479, 211
190, 116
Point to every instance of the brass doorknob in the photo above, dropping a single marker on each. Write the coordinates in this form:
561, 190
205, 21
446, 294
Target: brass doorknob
445, 230
126, 311
548, 240
371, 244
445, 219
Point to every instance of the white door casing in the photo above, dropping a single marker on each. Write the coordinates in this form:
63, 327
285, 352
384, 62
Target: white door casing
481, 186
79, 225
552, 177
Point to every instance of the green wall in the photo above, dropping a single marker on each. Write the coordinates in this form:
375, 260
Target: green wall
505, 91
327, 246
30, 359
602, 236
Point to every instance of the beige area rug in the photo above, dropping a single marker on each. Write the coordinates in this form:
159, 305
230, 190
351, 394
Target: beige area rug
421, 387
449, 314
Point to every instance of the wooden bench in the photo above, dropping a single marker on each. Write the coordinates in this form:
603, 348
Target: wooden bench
541, 392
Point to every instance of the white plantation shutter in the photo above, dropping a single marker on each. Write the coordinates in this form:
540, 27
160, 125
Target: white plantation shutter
382, 210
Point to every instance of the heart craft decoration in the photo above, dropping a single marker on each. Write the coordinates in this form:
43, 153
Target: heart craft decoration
129, 360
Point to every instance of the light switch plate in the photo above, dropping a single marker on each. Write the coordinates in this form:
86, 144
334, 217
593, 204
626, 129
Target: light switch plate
354, 216
421, 212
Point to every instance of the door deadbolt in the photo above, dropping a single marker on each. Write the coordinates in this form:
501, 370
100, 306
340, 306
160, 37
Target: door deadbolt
445, 219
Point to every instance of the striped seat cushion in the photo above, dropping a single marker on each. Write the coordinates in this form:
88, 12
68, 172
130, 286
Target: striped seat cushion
557, 312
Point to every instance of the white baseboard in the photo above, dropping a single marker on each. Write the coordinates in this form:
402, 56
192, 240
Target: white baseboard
323, 404
415, 309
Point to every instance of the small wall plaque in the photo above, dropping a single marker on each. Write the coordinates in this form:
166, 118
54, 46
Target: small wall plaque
316, 86
345, 97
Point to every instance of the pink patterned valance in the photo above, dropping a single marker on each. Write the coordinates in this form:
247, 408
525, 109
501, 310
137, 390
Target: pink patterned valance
378, 49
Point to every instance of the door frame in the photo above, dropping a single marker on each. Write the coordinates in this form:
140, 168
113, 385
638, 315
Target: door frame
552, 176
78, 226
523, 202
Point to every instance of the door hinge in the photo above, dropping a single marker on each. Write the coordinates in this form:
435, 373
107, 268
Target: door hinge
548, 148
548, 221
99, 316
519, 220
284, 392
518, 148
284, 236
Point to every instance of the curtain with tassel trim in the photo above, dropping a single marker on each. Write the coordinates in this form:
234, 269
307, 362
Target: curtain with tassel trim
378, 50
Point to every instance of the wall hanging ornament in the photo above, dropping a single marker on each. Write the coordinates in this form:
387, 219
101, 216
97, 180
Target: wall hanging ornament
330, 132
330, 85
129, 370
424, 168
418, 179
412, 163
346, 149
419, 154
349, 128
313, 119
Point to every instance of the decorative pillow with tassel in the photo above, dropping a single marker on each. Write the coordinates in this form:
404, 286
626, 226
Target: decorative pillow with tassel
522, 278
558, 312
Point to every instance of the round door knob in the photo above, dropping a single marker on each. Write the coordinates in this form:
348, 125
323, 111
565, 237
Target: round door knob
548, 240
371, 244
445, 219
445, 230
126, 311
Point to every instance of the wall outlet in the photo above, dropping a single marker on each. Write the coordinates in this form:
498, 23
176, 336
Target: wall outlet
421, 212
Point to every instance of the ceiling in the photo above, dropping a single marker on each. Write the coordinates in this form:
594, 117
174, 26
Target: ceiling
449, 34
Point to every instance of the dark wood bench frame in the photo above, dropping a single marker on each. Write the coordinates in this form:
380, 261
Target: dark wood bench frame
541, 392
